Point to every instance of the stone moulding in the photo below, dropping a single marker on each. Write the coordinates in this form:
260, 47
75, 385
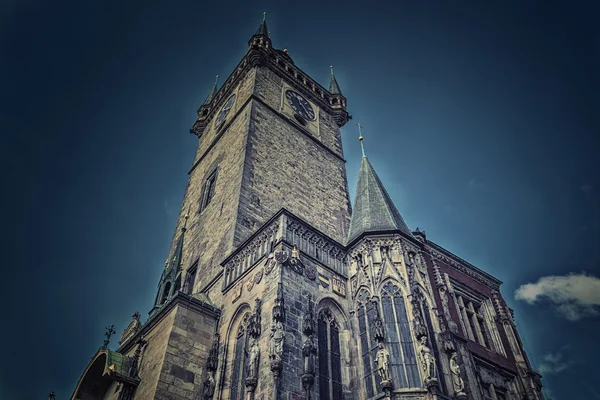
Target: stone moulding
461, 265
283, 227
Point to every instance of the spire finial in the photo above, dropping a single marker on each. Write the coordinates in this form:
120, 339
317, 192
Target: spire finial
334, 88
361, 138
264, 16
110, 330
212, 92
216, 80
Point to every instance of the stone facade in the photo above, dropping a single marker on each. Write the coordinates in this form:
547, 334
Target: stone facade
263, 297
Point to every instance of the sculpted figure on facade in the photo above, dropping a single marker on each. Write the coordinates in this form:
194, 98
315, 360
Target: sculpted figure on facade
309, 351
276, 341
253, 359
426, 359
457, 381
383, 363
209, 386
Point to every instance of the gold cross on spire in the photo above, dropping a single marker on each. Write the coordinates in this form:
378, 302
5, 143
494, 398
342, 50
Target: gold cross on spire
361, 138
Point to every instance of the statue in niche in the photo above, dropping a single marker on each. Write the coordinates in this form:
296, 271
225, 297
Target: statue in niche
253, 359
276, 341
427, 360
457, 381
209, 387
309, 351
378, 332
382, 359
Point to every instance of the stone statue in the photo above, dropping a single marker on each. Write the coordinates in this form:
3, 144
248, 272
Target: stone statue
308, 351
383, 363
209, 387
276, 341
427, 360
253, 359
457, 381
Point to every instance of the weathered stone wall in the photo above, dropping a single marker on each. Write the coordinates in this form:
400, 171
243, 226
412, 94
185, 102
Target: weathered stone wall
189, 342
153, 356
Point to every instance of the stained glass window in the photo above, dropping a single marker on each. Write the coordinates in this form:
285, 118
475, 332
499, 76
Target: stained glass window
330, 366
398, 336
238, 374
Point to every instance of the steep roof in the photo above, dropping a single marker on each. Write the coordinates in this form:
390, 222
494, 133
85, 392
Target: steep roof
334, 88
373, 209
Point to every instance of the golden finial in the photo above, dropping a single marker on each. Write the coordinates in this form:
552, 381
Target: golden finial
361, 138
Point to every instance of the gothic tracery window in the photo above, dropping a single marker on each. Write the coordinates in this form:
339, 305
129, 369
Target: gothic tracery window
238, 373
403, 361
366, 313
330, 366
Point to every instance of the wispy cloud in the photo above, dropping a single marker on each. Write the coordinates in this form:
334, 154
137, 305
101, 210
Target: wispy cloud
575, 296
170, 209
586, 188
555, 362
474, 184
592, 390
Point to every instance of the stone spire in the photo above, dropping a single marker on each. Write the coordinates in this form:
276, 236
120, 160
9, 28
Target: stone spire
334, 88
212, 92
262, 28
373, 211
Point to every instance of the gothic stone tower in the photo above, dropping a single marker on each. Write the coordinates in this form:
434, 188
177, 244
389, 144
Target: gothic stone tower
273, 291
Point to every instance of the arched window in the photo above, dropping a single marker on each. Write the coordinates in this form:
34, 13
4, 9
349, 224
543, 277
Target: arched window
330, 366
405, 373
238, 374
366, 313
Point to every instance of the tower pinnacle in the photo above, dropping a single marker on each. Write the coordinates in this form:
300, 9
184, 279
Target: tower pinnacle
262, 28
334, 88
212, 92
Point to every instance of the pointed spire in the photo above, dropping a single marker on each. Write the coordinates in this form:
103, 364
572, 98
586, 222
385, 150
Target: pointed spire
212, 92
334, 88
374, 210
262, 28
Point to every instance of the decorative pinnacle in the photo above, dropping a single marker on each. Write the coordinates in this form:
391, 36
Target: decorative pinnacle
361, 138
216, 80
265, 16
110, 330
331, 69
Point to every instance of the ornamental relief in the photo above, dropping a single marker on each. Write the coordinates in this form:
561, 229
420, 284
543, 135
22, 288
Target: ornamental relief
487, 377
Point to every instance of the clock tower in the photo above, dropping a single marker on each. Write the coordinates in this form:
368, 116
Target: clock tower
272, 291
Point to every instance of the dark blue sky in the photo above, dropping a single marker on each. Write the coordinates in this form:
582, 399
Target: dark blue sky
482, 119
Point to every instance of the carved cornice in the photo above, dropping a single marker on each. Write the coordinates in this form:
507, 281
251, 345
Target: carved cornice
466, 268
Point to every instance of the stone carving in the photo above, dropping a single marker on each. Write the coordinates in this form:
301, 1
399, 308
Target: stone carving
418, 320
276, 341
457, 381
281, 256
310, 272
295, 263
258, 277
237, 292
254, 323
377, 327
270, 264
383, 363
308, 323
466, 268
279, 308
309, 351
208, 389
426, 359
253, 361
133, 327
250, 284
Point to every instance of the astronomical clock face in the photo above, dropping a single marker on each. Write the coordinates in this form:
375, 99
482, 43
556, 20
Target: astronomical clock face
300, 105
225, 110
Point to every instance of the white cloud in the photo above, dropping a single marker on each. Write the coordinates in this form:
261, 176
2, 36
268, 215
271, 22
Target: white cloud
575, 295
554, 362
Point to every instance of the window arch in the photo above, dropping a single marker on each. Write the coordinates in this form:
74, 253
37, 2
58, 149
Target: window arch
330, 366
238, 373
405, 372
367, 313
